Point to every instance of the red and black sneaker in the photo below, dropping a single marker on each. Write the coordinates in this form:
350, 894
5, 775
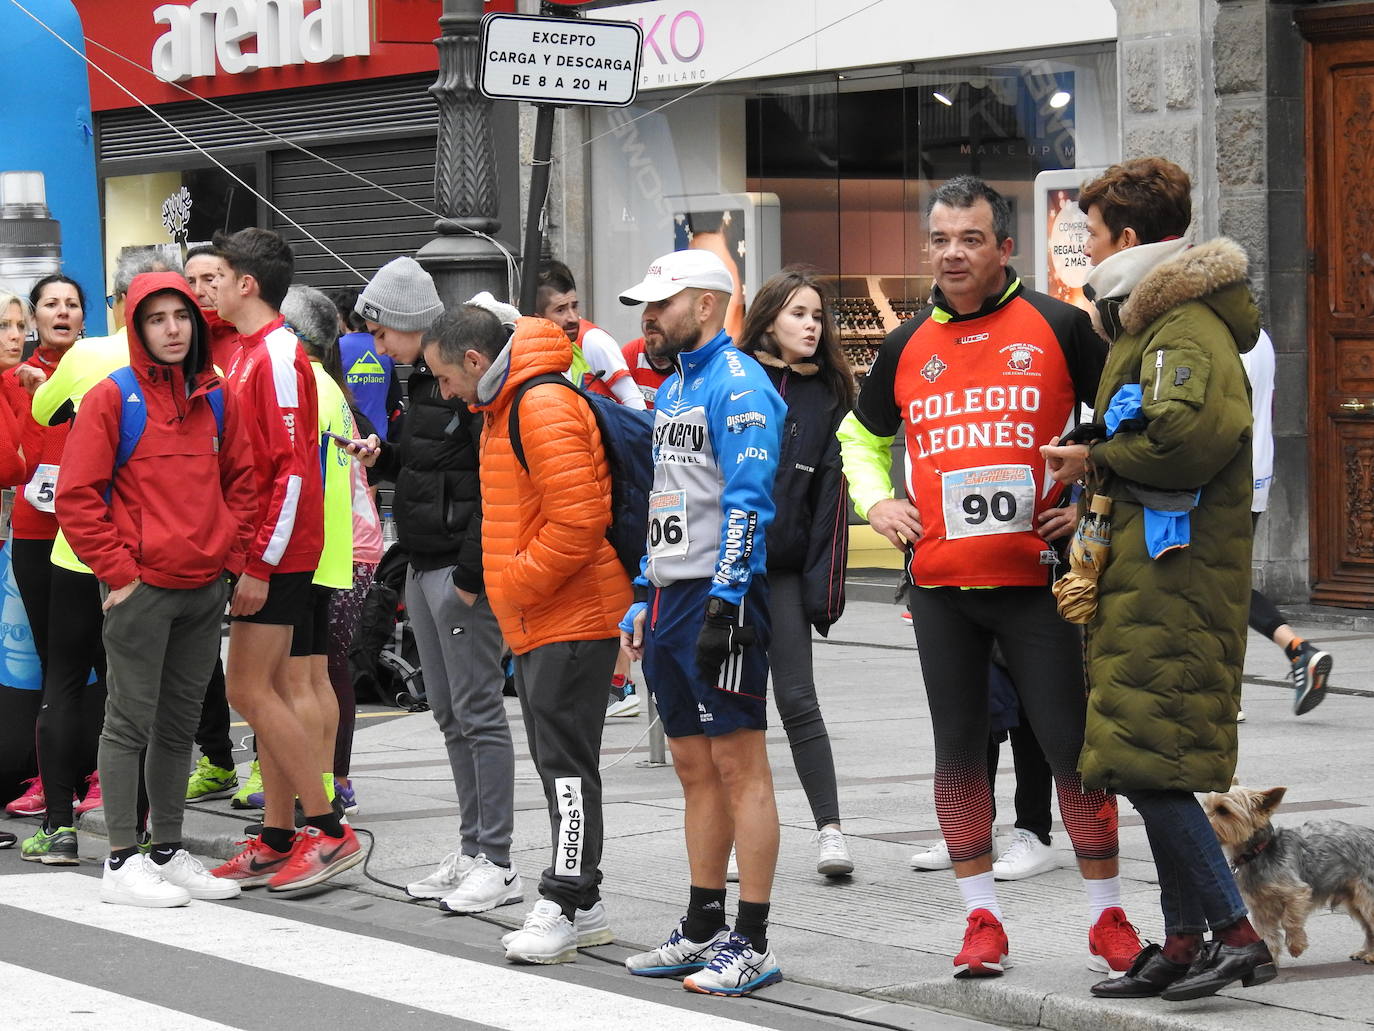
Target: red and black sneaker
255, 866
1113, 943
317, 857
985, 947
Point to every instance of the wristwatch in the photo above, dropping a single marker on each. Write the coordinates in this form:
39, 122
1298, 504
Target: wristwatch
720, 607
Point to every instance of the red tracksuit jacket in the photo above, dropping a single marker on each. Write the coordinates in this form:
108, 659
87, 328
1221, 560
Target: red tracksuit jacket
182, 510
275, 387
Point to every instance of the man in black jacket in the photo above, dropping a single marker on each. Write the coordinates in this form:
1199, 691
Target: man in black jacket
437, 505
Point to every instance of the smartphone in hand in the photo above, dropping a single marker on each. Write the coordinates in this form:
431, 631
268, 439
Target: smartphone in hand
345, 442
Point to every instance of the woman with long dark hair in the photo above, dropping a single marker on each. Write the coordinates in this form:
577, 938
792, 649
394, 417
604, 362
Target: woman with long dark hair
63, 605
790, 332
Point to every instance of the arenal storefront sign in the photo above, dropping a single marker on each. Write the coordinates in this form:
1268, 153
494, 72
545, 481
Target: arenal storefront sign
206, 37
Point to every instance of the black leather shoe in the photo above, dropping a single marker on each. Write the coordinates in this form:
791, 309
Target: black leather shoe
1217, 965
1150, 974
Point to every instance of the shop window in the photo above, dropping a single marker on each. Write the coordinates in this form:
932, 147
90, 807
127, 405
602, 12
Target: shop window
842, 166
150, 209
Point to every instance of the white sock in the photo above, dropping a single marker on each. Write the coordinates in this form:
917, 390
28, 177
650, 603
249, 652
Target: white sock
1102, 895
980, 892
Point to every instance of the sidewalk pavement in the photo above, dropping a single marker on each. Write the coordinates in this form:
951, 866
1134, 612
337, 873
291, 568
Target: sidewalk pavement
864, 946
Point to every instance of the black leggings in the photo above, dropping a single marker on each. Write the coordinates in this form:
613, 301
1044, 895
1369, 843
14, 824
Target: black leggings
345, 614
73, 710
212, 735
18, 716
1264, 617
1034, 781
32, 564
955, 630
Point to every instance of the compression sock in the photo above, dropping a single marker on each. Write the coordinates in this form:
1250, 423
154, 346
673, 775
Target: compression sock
328, 823
752, 924
162, 854
1238, 934
1102, 895
278, 839
119, 855
979, 892
705, 913
1182, 948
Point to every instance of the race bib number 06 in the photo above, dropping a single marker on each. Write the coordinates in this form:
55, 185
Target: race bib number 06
668, 524
986, 500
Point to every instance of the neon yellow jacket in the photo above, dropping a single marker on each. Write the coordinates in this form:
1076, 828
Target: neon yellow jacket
867, 461
82, 367
336, 560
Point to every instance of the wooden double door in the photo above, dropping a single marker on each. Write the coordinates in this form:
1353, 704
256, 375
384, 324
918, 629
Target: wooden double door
1340, 188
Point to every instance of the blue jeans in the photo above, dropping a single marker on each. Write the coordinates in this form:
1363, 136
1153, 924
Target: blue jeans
1196, 887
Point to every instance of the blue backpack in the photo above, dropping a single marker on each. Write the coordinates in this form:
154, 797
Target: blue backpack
628, 436
133, 413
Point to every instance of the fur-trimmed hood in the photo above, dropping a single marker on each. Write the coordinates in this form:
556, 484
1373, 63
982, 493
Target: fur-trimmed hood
1143, 283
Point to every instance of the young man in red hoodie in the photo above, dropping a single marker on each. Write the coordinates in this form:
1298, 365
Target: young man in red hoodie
272, 607
163, 527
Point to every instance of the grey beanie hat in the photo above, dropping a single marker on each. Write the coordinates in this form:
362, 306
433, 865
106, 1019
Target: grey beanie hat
401, 296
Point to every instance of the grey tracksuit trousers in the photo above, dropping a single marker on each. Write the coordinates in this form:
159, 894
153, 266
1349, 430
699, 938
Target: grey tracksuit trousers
562, 689
160, 646
460, 653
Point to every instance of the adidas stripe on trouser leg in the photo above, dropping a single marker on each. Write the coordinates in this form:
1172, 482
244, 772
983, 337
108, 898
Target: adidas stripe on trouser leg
562, 690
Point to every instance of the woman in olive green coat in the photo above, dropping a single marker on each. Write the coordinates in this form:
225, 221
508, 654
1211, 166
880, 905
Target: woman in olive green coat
1166, 647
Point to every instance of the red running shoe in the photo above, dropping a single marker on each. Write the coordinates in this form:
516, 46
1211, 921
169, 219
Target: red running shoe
92, 799
32, 802
317, 857
985, 947
257, 864
1112, 943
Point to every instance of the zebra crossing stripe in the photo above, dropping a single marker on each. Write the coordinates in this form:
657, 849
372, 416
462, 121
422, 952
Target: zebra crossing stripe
497, 996
85, 1008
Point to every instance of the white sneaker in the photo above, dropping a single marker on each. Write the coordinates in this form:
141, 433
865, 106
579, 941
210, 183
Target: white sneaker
485, 887
935, 857
735, 969
1026, 856
443, 880
186, 871
591, 927
138, 883
547, 937
623, 707
678, 955
732, 867
834, 859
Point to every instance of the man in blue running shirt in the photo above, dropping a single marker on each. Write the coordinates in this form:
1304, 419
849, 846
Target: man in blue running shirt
700, 617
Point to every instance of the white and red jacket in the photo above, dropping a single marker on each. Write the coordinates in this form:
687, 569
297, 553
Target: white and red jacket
275, 387
181, 511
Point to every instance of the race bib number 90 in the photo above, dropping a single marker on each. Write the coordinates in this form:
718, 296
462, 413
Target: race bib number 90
668, 524
986, 500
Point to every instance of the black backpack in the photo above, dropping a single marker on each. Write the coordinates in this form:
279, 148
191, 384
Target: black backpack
628, 436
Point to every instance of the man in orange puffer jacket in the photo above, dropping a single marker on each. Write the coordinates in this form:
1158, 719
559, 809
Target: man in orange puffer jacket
556, 587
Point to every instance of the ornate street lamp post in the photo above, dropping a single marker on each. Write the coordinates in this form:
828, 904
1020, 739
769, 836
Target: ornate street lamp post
466, 188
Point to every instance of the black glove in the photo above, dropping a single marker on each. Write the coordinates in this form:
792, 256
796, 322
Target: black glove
720, 637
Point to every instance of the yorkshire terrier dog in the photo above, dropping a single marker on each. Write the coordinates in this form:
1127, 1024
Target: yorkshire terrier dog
1284, 873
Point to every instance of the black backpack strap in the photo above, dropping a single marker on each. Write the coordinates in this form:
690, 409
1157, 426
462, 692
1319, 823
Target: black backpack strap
514, 425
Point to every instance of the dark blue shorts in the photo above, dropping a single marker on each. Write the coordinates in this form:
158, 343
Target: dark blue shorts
685, 704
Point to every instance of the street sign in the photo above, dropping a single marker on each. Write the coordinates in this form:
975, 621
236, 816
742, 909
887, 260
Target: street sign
560, 60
